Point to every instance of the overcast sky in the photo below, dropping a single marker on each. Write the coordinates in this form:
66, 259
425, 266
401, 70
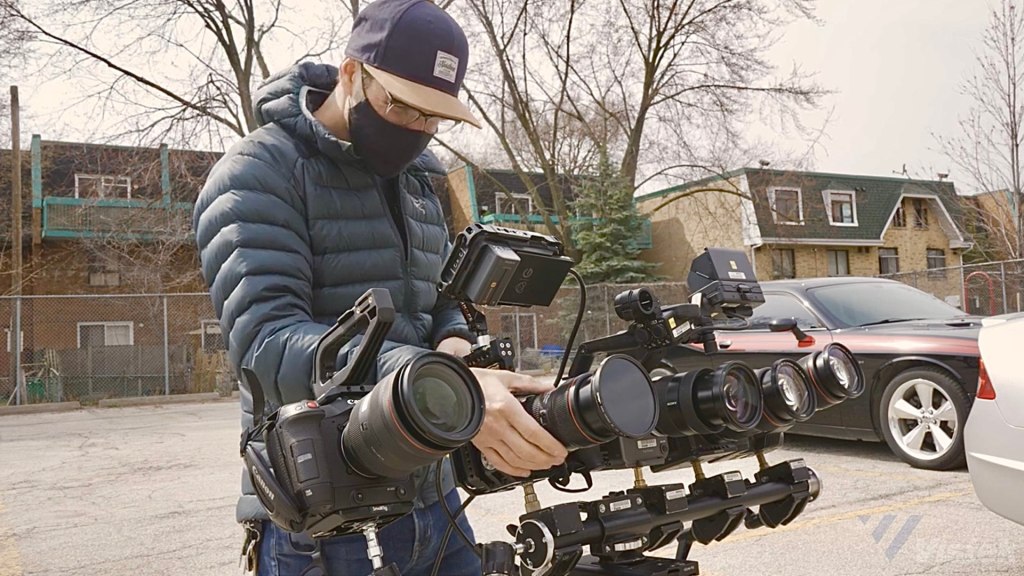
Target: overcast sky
895, 67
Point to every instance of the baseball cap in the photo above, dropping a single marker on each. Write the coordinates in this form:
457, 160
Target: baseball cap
416, 51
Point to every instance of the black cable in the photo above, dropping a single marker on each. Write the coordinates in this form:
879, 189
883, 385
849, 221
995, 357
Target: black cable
448, 512
575, 327
448, 533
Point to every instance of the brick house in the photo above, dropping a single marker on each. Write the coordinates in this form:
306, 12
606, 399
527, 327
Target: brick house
109, 222
808, 224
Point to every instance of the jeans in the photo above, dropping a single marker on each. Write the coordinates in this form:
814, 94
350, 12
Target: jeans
412, 542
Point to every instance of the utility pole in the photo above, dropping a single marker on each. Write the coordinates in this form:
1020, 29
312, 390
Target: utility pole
16, 246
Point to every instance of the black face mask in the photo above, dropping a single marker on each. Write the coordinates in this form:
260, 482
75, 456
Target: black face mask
385, 147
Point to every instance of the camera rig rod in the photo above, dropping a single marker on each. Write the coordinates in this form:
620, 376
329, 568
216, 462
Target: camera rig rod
620, 526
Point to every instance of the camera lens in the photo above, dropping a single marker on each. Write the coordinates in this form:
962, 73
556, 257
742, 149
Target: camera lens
413, 417
638, 304
834, 374
617, 400
706, 401
788, 395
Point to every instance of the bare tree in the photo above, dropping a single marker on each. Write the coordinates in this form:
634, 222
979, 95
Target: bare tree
179, 71
987, 148
664, 84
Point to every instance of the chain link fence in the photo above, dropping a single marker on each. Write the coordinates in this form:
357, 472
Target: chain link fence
986, 289
88, 348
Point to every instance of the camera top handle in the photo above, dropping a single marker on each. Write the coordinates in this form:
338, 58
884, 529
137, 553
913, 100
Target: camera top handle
374, 313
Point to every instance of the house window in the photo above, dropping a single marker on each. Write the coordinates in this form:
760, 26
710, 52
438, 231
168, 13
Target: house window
783, 264
920, 206
936, 262
786, 205
512, 207
899, 219
838, 263
103, 273
842, 208
102, 186
210, 336
888, 261
95, 334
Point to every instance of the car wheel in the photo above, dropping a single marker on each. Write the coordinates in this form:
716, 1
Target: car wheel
922, 414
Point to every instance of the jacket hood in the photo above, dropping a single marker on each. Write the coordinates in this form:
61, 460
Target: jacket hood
279, 101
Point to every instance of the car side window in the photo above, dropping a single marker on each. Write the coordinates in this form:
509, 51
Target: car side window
778, 305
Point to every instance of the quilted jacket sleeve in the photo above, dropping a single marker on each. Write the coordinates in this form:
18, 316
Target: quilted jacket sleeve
255, 255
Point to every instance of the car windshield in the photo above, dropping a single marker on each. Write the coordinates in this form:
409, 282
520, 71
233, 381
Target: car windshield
867, 303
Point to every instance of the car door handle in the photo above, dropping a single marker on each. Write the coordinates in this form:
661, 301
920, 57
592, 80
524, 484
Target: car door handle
724, 344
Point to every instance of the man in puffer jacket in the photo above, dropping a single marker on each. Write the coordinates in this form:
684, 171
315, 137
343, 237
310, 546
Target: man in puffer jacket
329, 197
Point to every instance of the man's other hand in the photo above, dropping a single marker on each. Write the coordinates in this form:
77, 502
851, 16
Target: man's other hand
455, 346
510, 439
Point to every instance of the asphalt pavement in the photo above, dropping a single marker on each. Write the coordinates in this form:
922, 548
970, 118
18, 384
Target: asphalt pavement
151, 491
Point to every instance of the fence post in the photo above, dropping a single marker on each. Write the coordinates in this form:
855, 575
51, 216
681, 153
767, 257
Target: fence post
20, 391
1002, 277
167, 354
607, 311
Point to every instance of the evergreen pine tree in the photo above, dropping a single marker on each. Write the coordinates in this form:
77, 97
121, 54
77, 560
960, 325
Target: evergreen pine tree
607, 227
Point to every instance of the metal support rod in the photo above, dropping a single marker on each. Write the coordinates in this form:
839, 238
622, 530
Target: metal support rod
530, 500
1002, 276
167, 354
698, 470
761, 460
638, 478
373, 548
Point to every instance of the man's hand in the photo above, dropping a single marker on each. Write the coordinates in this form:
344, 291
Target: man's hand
510, 439
455, 346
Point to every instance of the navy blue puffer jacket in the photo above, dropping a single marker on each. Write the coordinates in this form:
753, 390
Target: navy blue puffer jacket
292, 228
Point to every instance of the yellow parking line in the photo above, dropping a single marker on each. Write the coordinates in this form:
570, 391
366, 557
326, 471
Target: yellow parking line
10, 560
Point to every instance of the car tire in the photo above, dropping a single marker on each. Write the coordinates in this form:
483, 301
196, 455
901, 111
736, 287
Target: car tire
928, 437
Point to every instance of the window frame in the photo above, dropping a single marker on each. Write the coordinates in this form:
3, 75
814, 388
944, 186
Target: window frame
828, 263
127, 184
128, 323
498, 209
935, 271
920, 224
894, 257
776, 267
772, 193
203, 323
828, 195
899, 217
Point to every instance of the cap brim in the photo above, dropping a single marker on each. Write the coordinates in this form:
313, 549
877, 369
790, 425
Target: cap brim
422, 97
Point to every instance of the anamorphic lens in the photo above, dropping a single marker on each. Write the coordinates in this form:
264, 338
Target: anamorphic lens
413, 417
617, 400
706, 401
834, 373
788, 395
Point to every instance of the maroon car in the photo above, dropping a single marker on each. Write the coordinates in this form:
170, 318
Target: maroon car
919, 356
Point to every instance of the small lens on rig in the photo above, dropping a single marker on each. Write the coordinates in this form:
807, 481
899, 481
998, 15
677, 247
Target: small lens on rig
635, 305
706, 401
413, 417
834, 373
788, 395
616, 400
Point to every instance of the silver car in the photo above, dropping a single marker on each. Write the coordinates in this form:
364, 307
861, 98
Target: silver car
994, 435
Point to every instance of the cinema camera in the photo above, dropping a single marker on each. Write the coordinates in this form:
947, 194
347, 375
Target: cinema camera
343, 463
619, 417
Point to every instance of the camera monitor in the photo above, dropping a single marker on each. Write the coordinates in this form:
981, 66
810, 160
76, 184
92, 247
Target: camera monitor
725, 278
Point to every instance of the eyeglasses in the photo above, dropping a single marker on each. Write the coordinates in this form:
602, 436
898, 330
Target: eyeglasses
397, 112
